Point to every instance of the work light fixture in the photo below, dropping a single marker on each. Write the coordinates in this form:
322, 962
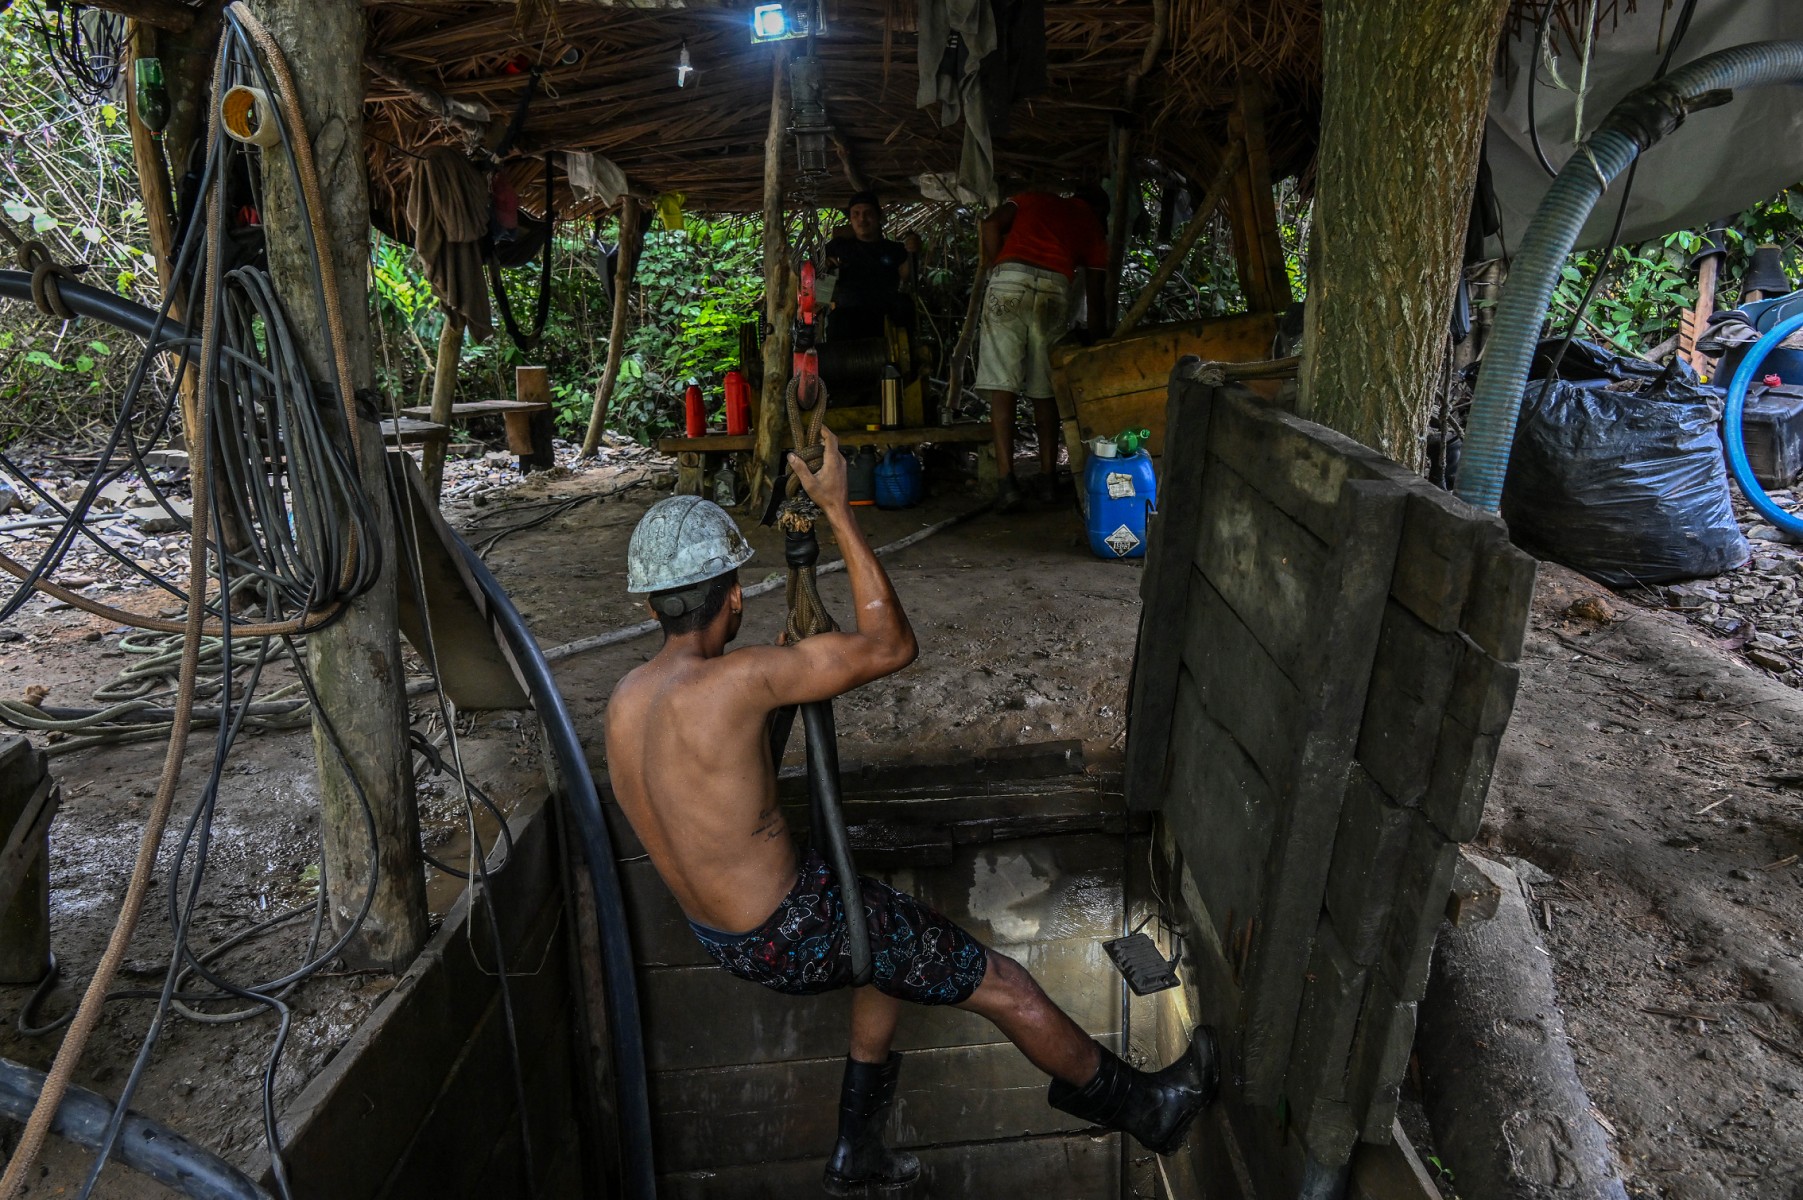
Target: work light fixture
783, 22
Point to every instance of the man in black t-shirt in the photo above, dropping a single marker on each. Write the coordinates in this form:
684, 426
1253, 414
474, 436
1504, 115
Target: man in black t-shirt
872, 270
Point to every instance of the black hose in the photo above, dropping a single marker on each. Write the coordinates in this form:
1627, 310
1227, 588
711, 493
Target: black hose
577, 788
92, 302
828, 832
144, 1145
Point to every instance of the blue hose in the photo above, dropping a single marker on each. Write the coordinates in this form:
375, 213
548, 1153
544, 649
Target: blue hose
1639, 121
1735, 438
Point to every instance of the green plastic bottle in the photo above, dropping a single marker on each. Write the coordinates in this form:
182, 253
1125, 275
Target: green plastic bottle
153, 96
1128, 441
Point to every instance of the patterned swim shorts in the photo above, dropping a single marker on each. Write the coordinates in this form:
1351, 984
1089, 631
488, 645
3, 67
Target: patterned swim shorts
920, 955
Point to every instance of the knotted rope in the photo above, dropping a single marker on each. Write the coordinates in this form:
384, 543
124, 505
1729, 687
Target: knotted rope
46, 273
797, 517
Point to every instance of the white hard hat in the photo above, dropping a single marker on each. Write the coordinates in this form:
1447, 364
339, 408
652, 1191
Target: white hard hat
682, 541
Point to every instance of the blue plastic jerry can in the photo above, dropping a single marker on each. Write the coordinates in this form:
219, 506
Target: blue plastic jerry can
1121, 490
898, 480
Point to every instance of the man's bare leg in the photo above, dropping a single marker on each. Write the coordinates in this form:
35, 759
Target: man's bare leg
1045, 423
1001, 421
1014, 1003
874, 1015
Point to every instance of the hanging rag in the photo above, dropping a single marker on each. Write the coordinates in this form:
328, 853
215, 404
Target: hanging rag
593, 177
669, 211
448, 207
976, 58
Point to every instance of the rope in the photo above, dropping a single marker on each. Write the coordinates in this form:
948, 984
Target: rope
133, 706
33, 256
87, 1014
798, 514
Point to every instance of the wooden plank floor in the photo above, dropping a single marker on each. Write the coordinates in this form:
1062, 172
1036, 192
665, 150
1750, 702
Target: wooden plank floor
745, 1082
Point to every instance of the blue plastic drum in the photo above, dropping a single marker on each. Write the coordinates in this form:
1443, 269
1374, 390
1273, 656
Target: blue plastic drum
1121, 491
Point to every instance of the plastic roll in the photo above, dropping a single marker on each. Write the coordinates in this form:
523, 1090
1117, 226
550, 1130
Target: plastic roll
249, 117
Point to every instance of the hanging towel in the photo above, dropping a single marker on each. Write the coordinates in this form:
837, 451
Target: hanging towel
448, 208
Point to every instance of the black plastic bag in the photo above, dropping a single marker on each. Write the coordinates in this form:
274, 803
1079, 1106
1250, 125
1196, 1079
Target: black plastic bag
1618, 472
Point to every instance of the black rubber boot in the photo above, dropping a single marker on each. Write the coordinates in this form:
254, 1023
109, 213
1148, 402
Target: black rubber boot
1156, 1108
861, 1160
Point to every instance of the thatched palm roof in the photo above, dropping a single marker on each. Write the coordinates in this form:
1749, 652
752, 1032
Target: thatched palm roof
706, 140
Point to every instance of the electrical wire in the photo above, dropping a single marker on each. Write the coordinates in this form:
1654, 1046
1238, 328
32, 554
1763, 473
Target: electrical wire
86, 46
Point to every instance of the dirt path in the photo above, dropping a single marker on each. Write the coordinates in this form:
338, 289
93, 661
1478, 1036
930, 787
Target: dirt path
1656, 780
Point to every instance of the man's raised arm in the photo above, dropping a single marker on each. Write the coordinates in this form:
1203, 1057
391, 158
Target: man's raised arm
829, 664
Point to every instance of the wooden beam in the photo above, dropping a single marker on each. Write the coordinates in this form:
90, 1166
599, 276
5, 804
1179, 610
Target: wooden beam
779, 294
468, 115
1179, 253
632, 236
164, 14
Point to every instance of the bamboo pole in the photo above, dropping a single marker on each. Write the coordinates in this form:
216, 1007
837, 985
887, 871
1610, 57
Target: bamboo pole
779, 296
632, 236
444, 395
1179, 253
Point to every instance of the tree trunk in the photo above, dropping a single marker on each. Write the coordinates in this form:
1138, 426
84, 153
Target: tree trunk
779, 294
1406, 87
632, 236
356, 661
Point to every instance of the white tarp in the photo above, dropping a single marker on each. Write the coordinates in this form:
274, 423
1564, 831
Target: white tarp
1716, 164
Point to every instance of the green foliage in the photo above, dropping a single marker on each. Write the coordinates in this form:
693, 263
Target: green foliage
1646, 286
66, 178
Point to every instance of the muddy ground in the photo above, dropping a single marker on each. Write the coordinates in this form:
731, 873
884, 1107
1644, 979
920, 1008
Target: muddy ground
1649, 771
1655, 778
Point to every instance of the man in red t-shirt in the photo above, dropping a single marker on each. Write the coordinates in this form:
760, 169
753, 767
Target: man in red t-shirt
1035, 241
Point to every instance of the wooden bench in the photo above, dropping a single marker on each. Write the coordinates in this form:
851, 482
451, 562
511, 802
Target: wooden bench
411, 431
528, 425
698, 458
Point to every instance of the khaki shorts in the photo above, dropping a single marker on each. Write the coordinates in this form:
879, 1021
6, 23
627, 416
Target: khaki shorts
1025, 311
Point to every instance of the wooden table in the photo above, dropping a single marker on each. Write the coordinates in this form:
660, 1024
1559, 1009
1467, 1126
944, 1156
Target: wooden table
698, 458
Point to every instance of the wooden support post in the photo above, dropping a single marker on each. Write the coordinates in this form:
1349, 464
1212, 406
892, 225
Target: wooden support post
779, 294
153, 171
1407, 85
1126, 206
632, 236
1217, 190
1696, 320
444, 395
362, 723
1257, 245
532, 385
28, 800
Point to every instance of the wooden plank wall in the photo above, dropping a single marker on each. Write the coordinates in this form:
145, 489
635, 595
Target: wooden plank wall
420, 1102
1317, 723
745, 1081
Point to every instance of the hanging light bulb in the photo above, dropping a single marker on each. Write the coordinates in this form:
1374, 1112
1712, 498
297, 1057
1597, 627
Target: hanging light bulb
683, 68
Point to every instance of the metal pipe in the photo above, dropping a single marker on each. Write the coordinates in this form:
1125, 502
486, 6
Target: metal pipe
144, 1145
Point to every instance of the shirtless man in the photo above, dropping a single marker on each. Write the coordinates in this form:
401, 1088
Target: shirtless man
688, 753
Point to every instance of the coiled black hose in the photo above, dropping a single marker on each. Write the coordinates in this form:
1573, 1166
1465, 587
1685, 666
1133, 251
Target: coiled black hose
144, 1145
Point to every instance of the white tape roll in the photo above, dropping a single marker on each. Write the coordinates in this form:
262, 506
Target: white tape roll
249, 117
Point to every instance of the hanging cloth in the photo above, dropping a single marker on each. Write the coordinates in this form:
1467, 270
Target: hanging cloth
448, 207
